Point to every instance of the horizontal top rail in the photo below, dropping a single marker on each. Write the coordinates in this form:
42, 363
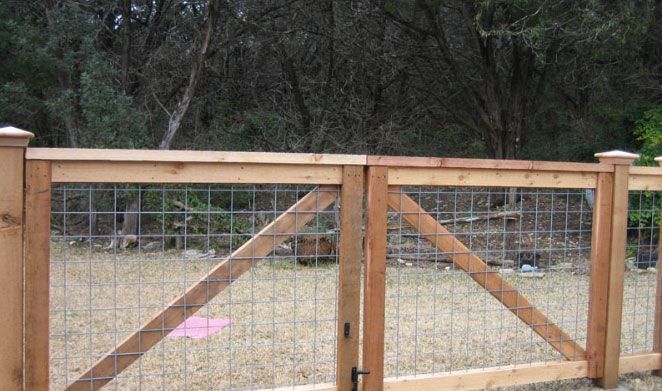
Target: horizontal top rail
433, 162
491, 177
73, 165
146, 155
645, 178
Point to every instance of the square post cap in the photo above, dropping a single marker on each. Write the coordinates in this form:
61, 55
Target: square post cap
14, 137
617, 157
659, 160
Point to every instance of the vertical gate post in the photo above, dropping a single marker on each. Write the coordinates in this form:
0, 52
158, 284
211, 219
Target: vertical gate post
657, 330
616, 271
349, 274
12, 153
375, 277
37, 271
599, 283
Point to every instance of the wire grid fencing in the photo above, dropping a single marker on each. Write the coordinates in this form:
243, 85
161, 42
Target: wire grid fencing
439, 320
643, 238
279, 317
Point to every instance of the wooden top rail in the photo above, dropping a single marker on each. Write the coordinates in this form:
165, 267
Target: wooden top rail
529, 165
645, 178
147, 155
491, 177
72, 165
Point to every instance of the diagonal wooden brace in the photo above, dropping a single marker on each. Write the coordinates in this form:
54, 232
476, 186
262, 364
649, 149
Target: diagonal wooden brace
478, 270
200, 293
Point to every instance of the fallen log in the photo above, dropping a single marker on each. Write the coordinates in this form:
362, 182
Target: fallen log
506, 215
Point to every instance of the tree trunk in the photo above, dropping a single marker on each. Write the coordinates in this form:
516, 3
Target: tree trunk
130, 223
196, 69
126, 43
293, 79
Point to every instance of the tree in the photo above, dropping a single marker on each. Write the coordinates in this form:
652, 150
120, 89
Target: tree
505, 79
490, 61
175, 118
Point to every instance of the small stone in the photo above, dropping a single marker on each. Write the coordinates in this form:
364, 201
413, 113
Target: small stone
191, 253
629, 263
151, 246
506, 271
532, 275
129, 241
209, 254
409, 264
283, 250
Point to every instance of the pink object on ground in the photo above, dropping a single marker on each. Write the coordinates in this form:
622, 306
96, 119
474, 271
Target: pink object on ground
195, 327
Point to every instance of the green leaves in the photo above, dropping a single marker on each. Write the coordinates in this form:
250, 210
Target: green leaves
645, 209
110, 118
649, 131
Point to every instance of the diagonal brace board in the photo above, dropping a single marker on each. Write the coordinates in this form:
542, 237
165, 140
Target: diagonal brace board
201, 292
478, 270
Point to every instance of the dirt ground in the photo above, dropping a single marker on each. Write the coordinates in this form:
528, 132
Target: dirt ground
643, 381
283, 321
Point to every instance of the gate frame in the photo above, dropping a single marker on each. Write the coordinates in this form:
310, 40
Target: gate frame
339, 178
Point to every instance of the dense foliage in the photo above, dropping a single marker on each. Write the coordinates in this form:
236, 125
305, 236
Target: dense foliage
507, 79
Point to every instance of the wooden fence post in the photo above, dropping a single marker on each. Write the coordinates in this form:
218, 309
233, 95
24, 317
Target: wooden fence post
613, 308
375, 278
12, 152
657, 330
37, 271
599, 283
349, 274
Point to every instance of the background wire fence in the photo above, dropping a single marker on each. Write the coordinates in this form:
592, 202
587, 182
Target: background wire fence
106, 283
638, 324
438, 319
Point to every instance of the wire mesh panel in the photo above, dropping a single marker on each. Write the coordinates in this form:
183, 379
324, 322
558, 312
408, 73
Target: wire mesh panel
446, 245
121, 254
638, 322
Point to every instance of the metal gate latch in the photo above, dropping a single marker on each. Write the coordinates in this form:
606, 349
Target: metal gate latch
355, 377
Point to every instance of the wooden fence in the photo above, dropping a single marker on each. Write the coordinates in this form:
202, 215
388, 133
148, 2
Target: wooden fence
25, 206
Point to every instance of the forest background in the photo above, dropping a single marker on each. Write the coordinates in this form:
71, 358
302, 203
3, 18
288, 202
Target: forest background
544, 80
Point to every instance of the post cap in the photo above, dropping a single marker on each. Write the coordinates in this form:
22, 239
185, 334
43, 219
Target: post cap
659, 160
617, 157
14, 137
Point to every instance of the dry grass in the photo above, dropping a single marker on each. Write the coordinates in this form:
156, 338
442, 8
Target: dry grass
440, 320
283, 314
282, 333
